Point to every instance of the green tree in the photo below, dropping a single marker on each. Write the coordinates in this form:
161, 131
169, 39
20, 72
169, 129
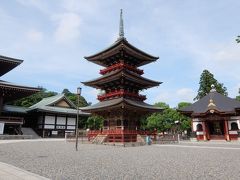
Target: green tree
238, 39
238, 97
73, 98
33, 99
95, 122
165, 121
206, 81
185, 122
161, 105
183, 104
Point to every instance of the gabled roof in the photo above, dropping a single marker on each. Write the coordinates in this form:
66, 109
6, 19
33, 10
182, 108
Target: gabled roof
7, 64
121, 102
14, 91
223, 104
117, 74
48, 105
116, 47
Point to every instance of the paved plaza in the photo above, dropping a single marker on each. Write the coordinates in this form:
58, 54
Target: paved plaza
59, 160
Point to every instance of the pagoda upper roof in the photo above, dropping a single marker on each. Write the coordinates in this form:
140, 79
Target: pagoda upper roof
117, 74
222, 104
116, 48
13, 91
123, 103
7, 64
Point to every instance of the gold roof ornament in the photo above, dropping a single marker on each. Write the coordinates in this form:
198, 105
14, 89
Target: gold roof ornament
211, 106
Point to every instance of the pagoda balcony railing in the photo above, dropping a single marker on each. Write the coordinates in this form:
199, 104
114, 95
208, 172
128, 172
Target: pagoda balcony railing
11, 120
121, 66
121, 93
120, 131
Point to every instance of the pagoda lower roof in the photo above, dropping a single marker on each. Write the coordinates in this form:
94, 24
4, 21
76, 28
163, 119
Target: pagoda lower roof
121, 103
121, 45
117, 74
12, 91
7, 64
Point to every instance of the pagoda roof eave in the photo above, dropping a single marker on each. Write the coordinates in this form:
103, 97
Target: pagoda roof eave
118, 73
121, 102
8, 63
120, 44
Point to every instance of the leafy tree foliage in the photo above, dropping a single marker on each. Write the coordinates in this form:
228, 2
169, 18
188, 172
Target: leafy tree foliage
206, 81
185, 122
33, 99
165, 121
95, 122
73, 98
183, 104
238, 97
238, 39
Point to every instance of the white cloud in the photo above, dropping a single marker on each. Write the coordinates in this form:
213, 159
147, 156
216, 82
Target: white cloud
185, 94
34, 35
38, 4
68, 27
173, 97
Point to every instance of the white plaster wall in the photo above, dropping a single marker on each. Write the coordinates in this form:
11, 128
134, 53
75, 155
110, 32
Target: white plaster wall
194, 124
195, 119
61, 120
70, 127
49, 126
231, 121
233, 132
49, 119
71, 121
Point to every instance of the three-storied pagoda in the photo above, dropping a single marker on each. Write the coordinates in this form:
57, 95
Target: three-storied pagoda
120, 104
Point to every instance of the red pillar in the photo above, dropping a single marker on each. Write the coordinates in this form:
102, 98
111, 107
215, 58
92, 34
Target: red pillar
226, 130
204, 131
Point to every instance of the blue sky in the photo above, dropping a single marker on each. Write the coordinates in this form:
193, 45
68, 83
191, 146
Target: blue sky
52, 37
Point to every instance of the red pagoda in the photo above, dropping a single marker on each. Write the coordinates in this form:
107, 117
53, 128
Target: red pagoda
120, 104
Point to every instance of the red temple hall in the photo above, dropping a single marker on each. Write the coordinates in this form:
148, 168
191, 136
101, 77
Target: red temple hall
214, 117
121, 104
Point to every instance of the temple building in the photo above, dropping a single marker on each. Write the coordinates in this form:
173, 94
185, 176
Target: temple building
121, 104
214, 117
11, 117
54, 116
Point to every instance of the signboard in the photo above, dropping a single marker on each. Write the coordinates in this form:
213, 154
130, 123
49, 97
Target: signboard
1, 127
54, 132
60, 127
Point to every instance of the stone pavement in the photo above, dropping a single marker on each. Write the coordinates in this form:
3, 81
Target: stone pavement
9, 172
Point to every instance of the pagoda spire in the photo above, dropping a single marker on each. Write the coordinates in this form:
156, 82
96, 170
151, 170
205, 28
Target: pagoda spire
121, 27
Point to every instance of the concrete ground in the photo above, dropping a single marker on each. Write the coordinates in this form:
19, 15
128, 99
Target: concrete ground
58, 160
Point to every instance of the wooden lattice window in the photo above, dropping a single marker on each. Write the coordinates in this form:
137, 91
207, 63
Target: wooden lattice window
199, 127
119, 122
234, 126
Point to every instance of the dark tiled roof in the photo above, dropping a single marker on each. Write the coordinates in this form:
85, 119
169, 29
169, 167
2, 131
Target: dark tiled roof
223, 104
120, 102
15, 109
119, 73
121, 43
8, 63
